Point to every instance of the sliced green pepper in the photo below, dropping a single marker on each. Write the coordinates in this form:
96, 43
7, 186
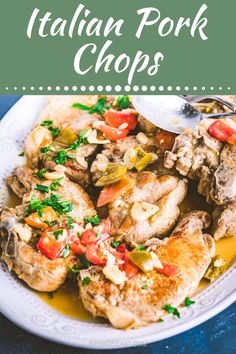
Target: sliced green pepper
216, 268
142, 259
66, 136
114, 173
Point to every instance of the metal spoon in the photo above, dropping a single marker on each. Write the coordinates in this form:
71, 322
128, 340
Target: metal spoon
172, 113
219, 99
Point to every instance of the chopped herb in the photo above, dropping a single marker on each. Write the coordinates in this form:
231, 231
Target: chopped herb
58, 232
46, 123
140, 248
81, 140
93, 221
85, 263
85, 281
66, 251
171, 309
99, 107
115, 243
41, 173
51, 294
123, 102
41, 188
70, 223
22, 153
55, 184
61, 157
78, 234
74, 270
160, 320
60, 206
55, 131
188, 302
145, 286
45, 149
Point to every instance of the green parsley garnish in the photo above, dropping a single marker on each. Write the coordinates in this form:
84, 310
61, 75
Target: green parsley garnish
99, 107
21, 154
78, 234
81, 140
55, 131
41, 188
160, 320
66, 251
40, 174
46, 123
61, 157
85, 281
60, 206
123, 102
115, 243
45, 149
85, 263
172, 310
140, 248
54, 185
188, 302
93, 221
145, 286
51, 294
58, 232
70, 223
74, 270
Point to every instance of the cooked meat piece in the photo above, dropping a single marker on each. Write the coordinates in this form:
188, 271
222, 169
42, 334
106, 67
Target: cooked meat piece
192, 150
224, 222
39, 272
59, 109
134, 305
23, 183
199, 156
166, 192
76, 168
223, 189
159, 224
21, 180
18, 240
115, 151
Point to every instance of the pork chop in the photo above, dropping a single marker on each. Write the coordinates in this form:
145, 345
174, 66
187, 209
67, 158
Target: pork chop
140, 300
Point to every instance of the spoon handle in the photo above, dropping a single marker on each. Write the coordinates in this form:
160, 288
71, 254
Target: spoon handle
219, 115
219, 99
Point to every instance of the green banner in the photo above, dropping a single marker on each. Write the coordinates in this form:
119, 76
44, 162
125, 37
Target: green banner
148, 46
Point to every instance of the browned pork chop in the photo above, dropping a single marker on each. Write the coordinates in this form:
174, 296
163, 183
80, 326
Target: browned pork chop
165, 192
18, 240
140, 300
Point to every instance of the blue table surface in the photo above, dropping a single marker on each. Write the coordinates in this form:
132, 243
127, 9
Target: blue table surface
217, 335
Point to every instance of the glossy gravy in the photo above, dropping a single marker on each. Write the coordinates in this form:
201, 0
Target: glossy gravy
66, 299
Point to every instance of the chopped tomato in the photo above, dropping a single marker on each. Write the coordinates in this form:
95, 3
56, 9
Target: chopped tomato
97, 234
77, 247
110, 193
113, 134
168, 269
117, 118
223, 132
52, 245
165, 140
95, 254
48, 214
130, 269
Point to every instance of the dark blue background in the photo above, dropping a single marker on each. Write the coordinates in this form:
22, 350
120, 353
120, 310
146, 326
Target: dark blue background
217, 335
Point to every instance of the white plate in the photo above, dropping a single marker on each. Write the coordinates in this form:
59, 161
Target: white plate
22, 306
